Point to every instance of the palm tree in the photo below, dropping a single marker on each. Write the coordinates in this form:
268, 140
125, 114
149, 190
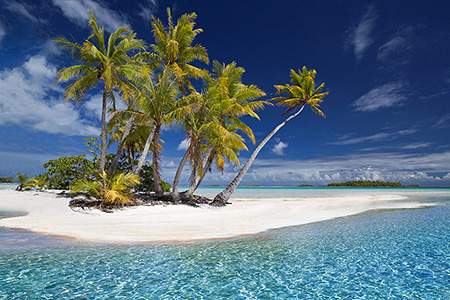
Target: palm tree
115, 190
101, 60
172, 54
173, 50
23, 181
213, 122
303, 91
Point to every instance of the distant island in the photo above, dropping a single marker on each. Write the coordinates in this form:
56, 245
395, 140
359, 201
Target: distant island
6, 180
252, 185
369, 183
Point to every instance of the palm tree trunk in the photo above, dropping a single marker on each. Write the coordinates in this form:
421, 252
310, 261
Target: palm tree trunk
130, 156
222, 198
112, 167
176, 179
103, 132
206, 163
144, 152
156, 176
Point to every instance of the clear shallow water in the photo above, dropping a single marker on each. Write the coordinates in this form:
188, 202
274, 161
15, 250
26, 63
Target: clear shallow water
397, 254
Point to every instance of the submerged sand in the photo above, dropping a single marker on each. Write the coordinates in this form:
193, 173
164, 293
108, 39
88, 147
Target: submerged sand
49, 214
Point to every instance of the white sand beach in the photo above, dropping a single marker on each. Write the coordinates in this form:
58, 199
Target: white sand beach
49, 214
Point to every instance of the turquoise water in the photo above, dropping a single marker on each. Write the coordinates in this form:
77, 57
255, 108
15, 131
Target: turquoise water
393, 254
8, 186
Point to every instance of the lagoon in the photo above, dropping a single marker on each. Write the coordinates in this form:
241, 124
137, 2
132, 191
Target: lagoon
401, 254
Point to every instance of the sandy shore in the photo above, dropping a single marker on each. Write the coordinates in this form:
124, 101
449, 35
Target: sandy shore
49, 214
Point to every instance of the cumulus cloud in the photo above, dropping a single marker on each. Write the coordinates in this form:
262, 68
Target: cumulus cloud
26, 99
278, 149
413, 168
387, 95
22, 9
76, 11
360, 38
183, 145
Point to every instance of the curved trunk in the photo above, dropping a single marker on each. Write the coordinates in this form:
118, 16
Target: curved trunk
103, 132
113, 166
206, 163
222, 198
156, 176
144, 152
176, 180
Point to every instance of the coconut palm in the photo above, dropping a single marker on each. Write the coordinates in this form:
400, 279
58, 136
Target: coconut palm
212, 123
172, 54
156, 101
301, 92
101, 60
174, 50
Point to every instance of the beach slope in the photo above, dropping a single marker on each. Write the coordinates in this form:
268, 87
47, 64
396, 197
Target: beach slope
46, 213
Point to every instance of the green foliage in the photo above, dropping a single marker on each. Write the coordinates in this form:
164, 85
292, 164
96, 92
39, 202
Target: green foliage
6, 180
367, 183
146, 175
111, 190
23, 181
40, 182
64, 171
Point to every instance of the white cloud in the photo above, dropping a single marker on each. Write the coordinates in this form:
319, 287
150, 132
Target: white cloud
148, 9
416, 146
26, 99
349, 139
77, 12
184, 145
396, 45
412, 168
388, 95
23, 9
443, 122
50, 48
278, 149
2, 33
382, 136
92, 106
360, 37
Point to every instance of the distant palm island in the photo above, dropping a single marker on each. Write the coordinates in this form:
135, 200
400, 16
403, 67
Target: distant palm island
355, 183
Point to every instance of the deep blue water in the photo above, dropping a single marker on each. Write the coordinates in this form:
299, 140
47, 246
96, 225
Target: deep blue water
392, 254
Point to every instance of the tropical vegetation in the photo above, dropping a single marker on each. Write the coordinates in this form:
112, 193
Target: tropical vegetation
162, 86
112, 190
6, 180
366, 183
24, 182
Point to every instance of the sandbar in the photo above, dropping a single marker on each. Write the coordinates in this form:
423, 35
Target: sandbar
46, 213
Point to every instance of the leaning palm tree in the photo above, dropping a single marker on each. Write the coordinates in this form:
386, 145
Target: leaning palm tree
217, 110
303, 91
101, 60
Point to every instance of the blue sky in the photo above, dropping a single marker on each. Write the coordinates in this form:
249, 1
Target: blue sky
385, 63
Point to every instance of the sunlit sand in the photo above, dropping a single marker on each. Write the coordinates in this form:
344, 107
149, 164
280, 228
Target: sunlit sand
49, 214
